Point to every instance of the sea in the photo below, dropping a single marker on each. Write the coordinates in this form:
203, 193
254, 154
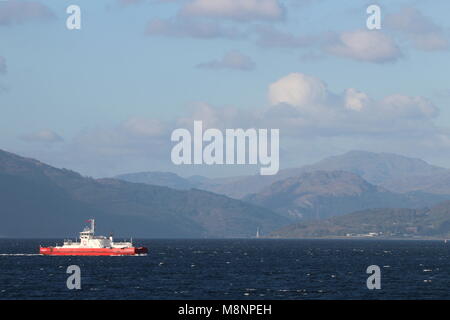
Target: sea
238, 269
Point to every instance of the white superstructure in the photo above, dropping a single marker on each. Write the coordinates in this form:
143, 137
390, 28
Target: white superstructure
89, 240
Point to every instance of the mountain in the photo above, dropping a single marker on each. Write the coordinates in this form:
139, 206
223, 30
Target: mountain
322, 194
165, 179
378, 168
39, 209
433, 222
394, 172
172, 180
234, 187
37, 200
437, 183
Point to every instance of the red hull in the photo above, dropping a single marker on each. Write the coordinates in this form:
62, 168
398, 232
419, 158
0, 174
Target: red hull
52, 251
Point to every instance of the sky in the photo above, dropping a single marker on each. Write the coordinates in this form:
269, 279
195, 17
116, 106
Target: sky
103, 100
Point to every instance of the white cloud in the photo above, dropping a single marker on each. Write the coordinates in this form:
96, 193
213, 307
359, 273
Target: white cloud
42, 136
298, 90
231, 60
308, 114
420, 29
17, 12
364, 45
241, 10
355, 100
403, 106
302, 104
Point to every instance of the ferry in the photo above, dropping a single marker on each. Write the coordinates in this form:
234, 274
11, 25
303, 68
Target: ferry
91, 245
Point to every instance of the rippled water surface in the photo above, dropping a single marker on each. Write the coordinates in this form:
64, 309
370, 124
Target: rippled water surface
233, 269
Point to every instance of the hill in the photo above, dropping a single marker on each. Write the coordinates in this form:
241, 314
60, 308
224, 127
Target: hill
38, 200
393, 172
399, 222
322, 194
165, 179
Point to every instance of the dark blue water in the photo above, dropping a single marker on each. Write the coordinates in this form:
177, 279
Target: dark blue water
233, 269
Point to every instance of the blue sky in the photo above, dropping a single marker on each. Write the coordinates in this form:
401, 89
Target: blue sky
102, 100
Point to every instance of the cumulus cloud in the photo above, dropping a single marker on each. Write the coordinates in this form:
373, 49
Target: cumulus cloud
298, 90
201, 19
364, 45
231, 60
301, 106
355, 100
303, 103
398, 105
240, 10
17, 12
176, 27
3, 67
308, 114
420, 29
42, 136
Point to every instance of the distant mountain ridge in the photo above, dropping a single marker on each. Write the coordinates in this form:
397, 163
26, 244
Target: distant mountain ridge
172, 180
383, 169
322, 194
393, 172
37, 200
166, 179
